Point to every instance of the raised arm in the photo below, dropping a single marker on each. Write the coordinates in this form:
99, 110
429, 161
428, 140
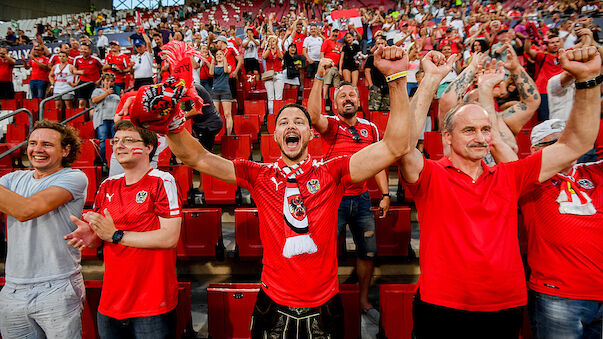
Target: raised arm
583, 124
27, 208
458, 87
527, 48
315, 101
191, 153
370, 160
519, 114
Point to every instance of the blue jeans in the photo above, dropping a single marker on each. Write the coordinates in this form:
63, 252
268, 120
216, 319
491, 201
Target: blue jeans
563, 318
162, 326
103, 132
356, 211
38, 88
50, 309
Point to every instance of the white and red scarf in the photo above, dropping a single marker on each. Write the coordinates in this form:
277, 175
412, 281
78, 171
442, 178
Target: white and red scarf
296, 226
572, 199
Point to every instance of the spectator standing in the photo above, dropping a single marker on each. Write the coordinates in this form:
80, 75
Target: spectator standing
311, 48
102, 44
142, 62
104, 101
274, 62
250, 57
219, 69
38, 63
234, 59
331, 49
7, 90
41, 269
118, 64
349, 63
62, 79
91, 67
207, 123
378, 89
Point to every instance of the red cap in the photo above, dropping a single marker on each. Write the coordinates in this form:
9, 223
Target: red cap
115, 42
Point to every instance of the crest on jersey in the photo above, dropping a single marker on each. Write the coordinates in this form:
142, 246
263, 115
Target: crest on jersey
141, 196
313, 186
585, 183
364, 133
296, 207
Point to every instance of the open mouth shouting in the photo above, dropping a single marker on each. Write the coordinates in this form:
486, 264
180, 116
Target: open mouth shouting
291, 141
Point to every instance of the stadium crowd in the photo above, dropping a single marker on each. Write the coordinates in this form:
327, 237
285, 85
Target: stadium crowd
494, 71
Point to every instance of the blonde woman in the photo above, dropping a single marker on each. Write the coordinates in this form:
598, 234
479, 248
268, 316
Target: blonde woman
220, 69
274, 62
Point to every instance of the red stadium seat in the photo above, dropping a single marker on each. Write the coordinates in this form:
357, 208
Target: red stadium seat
269, 149
393, 232
277, 105
379, 118
364, 102
433, 145
51, 113
216, 191
395, 304
200, 234
271, 122
290, 94
236, 147
93, 294
230, 306
73, 111
33, 105
86, 128
94, 179
7, 161
8, 104
523, 143
255, 107
247, 233
247, 125
184, 180
89, 150
23, 118
16, 133
373, 189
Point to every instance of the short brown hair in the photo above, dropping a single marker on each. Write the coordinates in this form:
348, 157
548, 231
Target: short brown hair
69, 137
148, 137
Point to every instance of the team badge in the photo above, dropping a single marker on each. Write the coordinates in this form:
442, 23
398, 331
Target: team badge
364, 133
586, 184
296, 207
141, 197
313, 186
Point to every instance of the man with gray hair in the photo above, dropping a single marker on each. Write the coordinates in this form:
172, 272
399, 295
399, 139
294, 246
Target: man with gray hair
472, 278
563, 217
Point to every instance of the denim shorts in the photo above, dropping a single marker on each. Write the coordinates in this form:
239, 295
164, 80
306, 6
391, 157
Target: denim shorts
558, 317
221, 96
162, 326
356, 211
50, 309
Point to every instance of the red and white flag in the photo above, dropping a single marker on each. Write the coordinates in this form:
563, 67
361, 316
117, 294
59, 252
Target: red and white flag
351, 15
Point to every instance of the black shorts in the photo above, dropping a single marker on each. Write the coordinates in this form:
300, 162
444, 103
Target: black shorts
142, 82
251, 64
270, 319
7, 91
85, 93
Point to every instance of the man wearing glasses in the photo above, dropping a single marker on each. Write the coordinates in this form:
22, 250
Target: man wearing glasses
563, 217
137, 214
346, 134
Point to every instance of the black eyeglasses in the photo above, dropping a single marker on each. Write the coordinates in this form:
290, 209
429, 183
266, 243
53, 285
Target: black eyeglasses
546, 143
355, 135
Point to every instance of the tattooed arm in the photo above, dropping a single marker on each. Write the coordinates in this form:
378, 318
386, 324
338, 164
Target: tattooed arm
456, 90
519, 114
504, 145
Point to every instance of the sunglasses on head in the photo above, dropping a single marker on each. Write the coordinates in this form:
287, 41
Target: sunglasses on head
355, 134
546, 143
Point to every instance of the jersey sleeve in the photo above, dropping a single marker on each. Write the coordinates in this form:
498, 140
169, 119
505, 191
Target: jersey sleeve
246, 172
525, 172
167, 204
339, 167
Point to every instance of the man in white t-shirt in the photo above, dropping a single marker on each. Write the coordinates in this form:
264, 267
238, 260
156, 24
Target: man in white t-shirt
250, 57
312, 44
142, 62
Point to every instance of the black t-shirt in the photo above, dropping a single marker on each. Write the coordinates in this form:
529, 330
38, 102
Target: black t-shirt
350, 51
156, 51
376, 75
210, 119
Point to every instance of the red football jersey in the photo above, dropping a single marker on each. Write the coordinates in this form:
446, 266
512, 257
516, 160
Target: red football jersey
138, 282
121, 61
337, 140
298, 40
92, 67
6, 70
37, 73
565, 251
547, 66
332, 50
469, 251
231, 54
305, 280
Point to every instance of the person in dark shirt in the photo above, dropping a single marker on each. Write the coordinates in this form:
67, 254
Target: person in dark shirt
378, 89
207, 123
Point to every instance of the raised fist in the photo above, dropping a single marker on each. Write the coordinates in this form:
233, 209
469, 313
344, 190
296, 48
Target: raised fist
582, 63
323, 66
390, 60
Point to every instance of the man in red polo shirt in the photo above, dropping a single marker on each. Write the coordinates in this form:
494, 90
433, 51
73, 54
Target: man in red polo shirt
91, 65
137, 215
39, 72
7, 90
472, 280
346, 134
563, 217
331, 49
547, 66
297, 199
118, 64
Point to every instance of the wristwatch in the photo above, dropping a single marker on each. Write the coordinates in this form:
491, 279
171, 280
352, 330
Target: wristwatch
117, 236
590, 83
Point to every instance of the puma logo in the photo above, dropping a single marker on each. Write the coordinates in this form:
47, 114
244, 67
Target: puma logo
276, 183
109, 196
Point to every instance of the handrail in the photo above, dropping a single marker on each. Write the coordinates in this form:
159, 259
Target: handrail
6, 116
77, 115
43, 102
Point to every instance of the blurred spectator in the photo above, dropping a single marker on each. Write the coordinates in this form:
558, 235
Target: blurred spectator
311, 49
251, 46
118, 64
38, 62
102, 43
62, 79
91, 67
142, 62
219, 69
273, 77
7, 64
104, 101
10, 38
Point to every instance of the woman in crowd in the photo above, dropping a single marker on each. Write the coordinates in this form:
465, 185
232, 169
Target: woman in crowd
349, 62
220, 93
273, 77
